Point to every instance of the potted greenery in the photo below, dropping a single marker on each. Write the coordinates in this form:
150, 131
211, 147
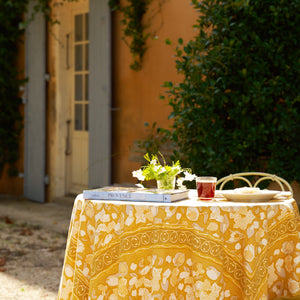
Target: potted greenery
167, 176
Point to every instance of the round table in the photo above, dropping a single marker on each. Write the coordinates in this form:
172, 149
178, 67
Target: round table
184, 250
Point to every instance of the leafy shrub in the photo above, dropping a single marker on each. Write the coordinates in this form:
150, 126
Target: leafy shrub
238, 105
10, 116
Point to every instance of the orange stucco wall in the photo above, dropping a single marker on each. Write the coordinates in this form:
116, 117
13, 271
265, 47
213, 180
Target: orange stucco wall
136, 94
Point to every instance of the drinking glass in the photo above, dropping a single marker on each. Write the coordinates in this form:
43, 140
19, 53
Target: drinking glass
206, 187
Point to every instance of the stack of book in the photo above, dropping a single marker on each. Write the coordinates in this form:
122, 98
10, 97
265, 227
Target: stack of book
135, 194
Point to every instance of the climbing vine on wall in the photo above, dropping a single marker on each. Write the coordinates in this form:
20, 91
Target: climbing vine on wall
12, 27
133, 19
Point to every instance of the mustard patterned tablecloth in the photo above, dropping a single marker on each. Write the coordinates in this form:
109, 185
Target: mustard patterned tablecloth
184, 250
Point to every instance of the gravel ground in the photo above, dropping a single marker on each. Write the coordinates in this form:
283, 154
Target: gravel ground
31, 259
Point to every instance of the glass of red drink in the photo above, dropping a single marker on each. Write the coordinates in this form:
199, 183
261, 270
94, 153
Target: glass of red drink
206, 187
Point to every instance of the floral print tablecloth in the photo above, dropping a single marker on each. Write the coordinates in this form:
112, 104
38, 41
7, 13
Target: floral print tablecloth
184, 250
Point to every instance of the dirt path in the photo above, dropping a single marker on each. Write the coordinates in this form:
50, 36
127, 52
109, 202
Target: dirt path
31, 260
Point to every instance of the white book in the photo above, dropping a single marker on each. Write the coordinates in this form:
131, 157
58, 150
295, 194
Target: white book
135, 194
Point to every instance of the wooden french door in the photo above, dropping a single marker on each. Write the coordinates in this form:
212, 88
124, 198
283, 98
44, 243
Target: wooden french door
78, 127
81, 152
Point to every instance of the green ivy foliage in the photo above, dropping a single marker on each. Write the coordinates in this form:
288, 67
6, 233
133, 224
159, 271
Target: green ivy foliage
133, 14
10, 116
12, 26
134, 26
238, 105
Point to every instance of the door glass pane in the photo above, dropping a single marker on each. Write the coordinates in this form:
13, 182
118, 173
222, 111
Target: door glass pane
86, 56
78, 87
87, 26
78, 58
78, 28
86, 87
81, 74
86, 117
78, 117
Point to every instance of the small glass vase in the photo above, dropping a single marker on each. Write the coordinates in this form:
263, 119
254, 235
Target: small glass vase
166, 184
